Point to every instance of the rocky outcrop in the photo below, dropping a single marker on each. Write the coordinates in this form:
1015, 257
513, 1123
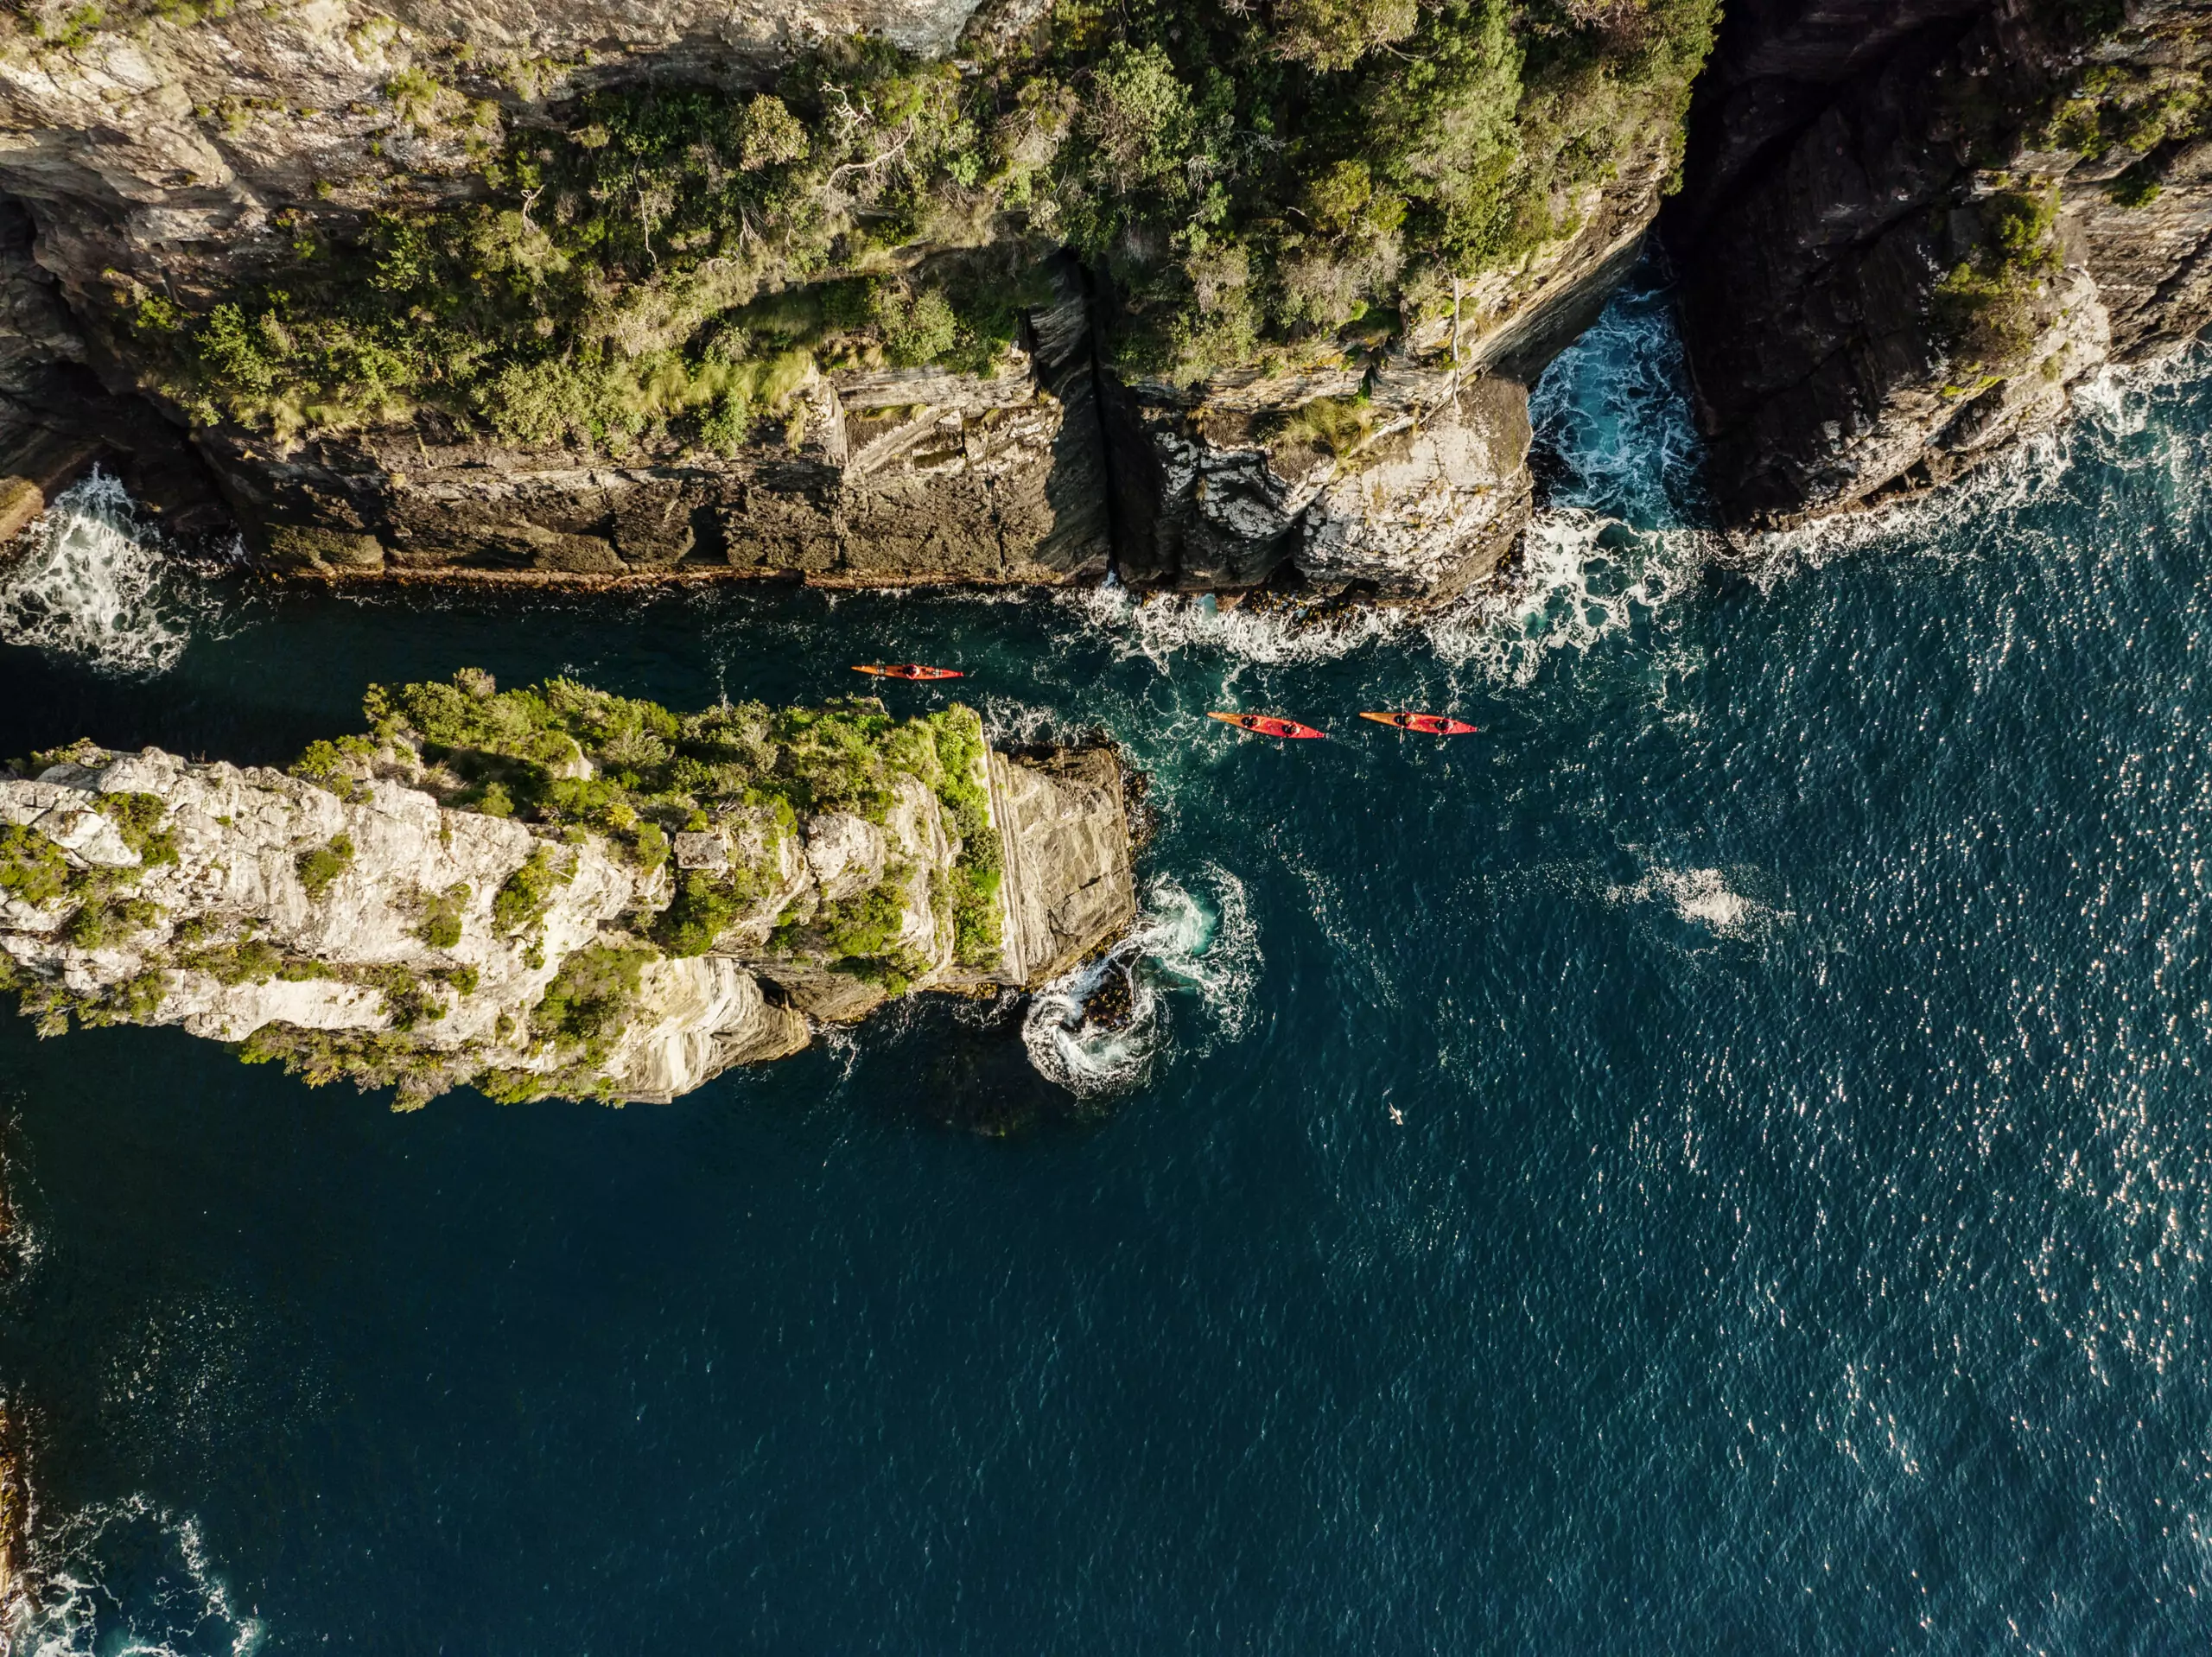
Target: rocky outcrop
174, 160
1402, 471
888, 477
1909, 231
369, 925
1067, 868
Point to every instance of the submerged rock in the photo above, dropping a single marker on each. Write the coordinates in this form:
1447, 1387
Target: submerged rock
481, 891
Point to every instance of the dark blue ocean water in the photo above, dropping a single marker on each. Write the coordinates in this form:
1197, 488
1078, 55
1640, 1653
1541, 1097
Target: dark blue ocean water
1721, 1161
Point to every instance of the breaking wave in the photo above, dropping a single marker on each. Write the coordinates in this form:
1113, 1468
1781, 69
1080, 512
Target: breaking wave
99, 587
1160, 626
1184, 944
1613, 417
92, 1562
1583, 578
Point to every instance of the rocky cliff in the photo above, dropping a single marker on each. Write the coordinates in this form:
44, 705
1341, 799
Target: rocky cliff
889, 290
1910, 229
554, 892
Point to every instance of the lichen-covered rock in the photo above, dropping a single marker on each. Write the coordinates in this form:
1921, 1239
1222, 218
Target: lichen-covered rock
367, 924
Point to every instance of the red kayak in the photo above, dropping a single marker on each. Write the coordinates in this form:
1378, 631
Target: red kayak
1432, 724
1261, 724
910, 670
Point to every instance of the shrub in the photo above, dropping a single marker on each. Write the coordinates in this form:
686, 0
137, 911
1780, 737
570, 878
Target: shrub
137, 1000
33, 869
248, 961
1334, 426
366, 1058
1336, 33
865, 926
706, 905
138, 818
107, 918
441, 923
408, 1001
524, 896
977, 930
336, 767
319, 869
584, 1008
1246, 176
770, 134
1985, 308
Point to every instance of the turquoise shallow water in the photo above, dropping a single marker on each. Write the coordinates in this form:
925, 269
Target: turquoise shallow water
1721, 1161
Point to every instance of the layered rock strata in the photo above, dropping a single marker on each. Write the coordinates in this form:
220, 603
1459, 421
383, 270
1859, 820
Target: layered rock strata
386, 923
1910, 231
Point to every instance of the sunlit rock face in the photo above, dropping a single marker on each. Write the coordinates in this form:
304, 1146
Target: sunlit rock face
366, 926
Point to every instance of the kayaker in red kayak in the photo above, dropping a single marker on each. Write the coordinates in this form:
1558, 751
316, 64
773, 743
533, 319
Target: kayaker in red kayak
910, 671
1432, 724
1264, 724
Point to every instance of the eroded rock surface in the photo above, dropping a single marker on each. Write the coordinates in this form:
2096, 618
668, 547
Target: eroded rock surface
891, 476
1417, 485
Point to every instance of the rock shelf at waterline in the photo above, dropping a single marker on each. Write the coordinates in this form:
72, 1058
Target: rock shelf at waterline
555, 891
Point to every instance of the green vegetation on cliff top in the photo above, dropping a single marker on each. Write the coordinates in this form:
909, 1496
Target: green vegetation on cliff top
1987, 306
668, 264
574, 763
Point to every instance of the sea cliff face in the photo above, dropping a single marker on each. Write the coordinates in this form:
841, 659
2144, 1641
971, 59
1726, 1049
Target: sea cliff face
1910, 231
872, 293
555, 891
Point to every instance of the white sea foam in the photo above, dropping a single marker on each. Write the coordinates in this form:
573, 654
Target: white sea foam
1614, 411
180, 1602
1583, 578
1704, 898
1161, 626
1613, 408
99, 586
2111, 408
1183, 942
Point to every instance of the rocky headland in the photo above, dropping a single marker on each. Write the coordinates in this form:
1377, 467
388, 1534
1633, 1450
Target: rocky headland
555, 891
1212, 296
1911, 229
1209, 294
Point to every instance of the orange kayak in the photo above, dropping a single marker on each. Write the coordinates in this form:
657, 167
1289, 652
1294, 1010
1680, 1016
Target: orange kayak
910, 671
1264, 726
1432, 724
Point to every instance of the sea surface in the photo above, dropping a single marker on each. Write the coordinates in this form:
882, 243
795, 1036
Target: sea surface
1720, 1162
